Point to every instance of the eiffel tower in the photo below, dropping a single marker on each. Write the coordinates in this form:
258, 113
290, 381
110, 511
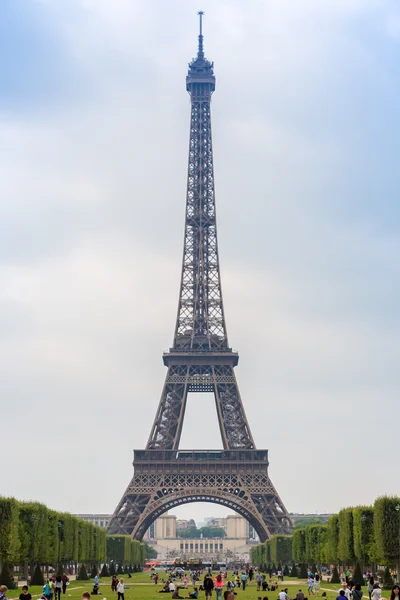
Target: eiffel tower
200, 360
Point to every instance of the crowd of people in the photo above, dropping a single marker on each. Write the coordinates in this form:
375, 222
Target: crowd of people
176, 583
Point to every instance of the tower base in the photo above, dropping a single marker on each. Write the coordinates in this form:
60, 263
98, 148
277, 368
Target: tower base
164, 479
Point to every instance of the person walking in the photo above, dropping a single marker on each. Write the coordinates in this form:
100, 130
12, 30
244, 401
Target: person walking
218, 584
259, 579
58, 588
310, 584
208, 586
244, 580
185, 581
376, 592
317, 585
65, 580
370, 587
357, 592
121, 590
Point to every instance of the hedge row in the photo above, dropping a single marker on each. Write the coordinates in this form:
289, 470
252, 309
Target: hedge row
122, 550
366, 534
29, 531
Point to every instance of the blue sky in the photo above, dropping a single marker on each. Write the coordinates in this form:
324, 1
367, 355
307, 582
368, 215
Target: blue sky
94, 119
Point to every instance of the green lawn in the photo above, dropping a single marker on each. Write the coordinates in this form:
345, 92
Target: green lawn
141, 588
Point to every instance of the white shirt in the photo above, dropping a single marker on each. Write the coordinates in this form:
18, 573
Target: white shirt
282, 596
376, 593
120, 588
171, 587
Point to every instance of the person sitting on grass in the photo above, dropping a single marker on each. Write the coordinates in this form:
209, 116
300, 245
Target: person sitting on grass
175, 594
194, 594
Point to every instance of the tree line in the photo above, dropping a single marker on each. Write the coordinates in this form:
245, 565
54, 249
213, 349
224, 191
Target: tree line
32, 534
365, 534
209, 531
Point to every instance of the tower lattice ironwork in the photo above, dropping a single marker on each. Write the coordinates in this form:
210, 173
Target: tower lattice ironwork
200, 360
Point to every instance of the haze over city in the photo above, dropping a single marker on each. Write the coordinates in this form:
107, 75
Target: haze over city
95, 122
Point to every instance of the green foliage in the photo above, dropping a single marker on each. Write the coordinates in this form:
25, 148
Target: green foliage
357, 575
387, 579
335, 575
38, 578
346, 539
304, 522
6, 577
299, 545
286, 571
316, 536
104, 571
82, 575
281, 548
112, 569
331, 548
207, 532
303, 571
293, 571
387, 528
9, 539
189, 533
363, 532
212, 532
120, 570
150, 551
94, 571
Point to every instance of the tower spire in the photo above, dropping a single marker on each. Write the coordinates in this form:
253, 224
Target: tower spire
200, 52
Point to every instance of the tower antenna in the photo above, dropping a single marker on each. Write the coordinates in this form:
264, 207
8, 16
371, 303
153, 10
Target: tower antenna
200, 53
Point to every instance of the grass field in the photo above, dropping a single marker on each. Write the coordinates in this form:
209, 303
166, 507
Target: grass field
140, 587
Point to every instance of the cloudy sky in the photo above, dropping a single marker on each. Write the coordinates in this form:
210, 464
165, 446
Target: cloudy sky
94, 121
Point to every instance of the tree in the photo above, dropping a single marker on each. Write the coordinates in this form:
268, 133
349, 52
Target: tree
357, 575
335, 575
94, 571
299, 545
104, 571
387, 579
281, 548
37, 578
212, 532
150, 551
112, 569
303, 571
82, 575
332, 540
346, 539
363, 531
286, 571
6, 577
315, 543
9, 538
120, 570
293, 572
189, 533
387, 530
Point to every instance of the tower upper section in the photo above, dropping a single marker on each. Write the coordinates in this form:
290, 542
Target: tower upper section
200, 323
200, 80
